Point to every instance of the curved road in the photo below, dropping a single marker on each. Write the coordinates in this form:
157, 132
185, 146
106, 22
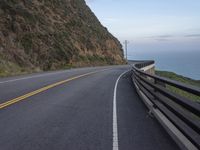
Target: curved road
78, 109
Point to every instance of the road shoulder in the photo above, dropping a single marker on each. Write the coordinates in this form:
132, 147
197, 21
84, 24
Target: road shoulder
136, 128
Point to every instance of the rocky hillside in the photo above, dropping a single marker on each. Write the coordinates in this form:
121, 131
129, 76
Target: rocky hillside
53, 34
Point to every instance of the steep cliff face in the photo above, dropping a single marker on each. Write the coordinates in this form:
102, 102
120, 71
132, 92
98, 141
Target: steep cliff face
53, 34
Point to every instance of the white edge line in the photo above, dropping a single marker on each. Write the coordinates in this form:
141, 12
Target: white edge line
115, 127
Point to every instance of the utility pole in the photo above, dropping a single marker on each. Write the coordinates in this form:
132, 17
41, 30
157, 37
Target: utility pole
126, 49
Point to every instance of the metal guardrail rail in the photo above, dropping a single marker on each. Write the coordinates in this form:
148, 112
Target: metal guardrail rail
181, 113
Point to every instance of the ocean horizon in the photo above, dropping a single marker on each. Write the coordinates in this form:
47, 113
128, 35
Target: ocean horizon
185, 63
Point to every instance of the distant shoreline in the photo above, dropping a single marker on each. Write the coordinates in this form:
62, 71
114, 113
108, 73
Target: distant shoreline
177, 77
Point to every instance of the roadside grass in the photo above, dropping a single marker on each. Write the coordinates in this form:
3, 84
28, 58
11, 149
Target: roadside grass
182, 79
8, 68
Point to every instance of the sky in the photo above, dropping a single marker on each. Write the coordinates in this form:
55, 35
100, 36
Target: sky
151, 26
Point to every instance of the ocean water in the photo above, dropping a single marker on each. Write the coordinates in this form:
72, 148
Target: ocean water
186, 63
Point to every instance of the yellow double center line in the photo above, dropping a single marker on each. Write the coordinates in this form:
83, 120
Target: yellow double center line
23, 97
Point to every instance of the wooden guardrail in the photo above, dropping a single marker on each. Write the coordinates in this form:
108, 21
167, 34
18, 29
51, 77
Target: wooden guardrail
179, 115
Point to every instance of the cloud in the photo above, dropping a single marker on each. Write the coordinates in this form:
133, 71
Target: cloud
162, 38
192, 35
171, 37
165, 36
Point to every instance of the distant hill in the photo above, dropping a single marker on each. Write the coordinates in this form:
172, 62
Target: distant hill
53, 34
182, 79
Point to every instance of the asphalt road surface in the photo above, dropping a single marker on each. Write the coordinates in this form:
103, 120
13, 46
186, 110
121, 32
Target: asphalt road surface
77, 109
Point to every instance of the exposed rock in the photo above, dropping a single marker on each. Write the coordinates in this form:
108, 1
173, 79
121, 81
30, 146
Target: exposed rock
53, 34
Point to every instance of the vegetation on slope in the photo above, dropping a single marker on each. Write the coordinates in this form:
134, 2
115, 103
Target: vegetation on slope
53, 34
182, 79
